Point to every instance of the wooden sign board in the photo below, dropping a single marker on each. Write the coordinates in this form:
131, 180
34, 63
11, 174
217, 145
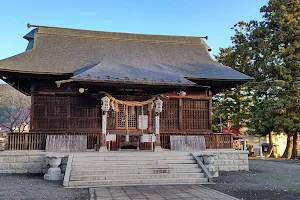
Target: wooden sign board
143, 122
148, 138
111, 137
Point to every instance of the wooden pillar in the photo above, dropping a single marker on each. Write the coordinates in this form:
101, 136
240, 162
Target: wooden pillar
210, 110
180, 125
157, 127
32, 118
149, 117
158, 110
68, 113
103, 147
157, 133
126, 123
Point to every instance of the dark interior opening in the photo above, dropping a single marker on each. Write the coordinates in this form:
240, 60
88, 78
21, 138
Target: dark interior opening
129, 147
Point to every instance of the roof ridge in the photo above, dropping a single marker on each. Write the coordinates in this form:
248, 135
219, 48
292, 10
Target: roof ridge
126, 40
112, 32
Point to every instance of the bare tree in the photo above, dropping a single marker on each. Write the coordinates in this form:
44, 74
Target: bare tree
14, 109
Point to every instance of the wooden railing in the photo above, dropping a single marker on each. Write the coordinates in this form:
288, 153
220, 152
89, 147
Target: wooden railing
213, 141
37, 140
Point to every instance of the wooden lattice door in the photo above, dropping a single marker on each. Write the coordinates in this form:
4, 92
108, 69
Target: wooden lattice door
195, 114
131, 117
169, 119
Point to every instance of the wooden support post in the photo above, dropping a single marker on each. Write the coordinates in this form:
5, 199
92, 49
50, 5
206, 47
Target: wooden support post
180, 114
103, 147
210, 110
69, 113
126, 123
32, 117
157, 133
149, 117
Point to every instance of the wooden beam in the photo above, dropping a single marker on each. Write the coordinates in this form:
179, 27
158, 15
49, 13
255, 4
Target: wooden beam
69, 113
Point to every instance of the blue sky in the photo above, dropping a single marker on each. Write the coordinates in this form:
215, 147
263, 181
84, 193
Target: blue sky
173, 17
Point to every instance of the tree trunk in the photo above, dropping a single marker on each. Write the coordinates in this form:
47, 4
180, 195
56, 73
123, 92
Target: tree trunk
271, 147
295, 147
289, 147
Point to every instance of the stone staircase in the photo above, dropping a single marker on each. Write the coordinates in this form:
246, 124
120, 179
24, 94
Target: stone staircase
132, 168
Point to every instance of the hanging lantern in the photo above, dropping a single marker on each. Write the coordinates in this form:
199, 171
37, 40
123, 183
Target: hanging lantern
105, 103
158, 105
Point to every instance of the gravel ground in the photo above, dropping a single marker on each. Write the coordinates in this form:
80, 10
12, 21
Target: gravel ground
34, 187
267, 179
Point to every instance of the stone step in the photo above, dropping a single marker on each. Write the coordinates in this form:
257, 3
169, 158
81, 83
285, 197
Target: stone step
132, 162
122, 167
99, 183
131, 154
135, 171
118, 158
135, 176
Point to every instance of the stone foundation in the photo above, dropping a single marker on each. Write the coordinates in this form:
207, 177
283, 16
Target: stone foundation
35, 161
22, 162
231, 160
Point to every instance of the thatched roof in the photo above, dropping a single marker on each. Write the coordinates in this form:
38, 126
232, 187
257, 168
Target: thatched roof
108, 56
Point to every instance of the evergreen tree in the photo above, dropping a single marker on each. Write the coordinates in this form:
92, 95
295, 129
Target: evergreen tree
269, 51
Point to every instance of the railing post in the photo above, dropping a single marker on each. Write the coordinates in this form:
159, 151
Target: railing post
6, 141
26, 146
217, 141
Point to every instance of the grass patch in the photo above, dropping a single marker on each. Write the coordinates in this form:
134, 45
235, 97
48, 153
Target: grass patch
272, 176
295, 188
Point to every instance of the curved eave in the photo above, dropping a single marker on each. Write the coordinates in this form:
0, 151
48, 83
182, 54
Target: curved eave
220, 80
217, 85
115, 82
34, 72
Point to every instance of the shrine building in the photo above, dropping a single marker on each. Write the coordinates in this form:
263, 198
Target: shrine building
117, 87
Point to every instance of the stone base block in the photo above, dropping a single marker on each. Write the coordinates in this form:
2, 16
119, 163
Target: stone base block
103, 149
54, 177
158, 149
54, 174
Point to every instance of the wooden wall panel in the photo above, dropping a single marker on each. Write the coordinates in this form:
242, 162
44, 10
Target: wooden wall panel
65, 113
83, 113
49, 112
